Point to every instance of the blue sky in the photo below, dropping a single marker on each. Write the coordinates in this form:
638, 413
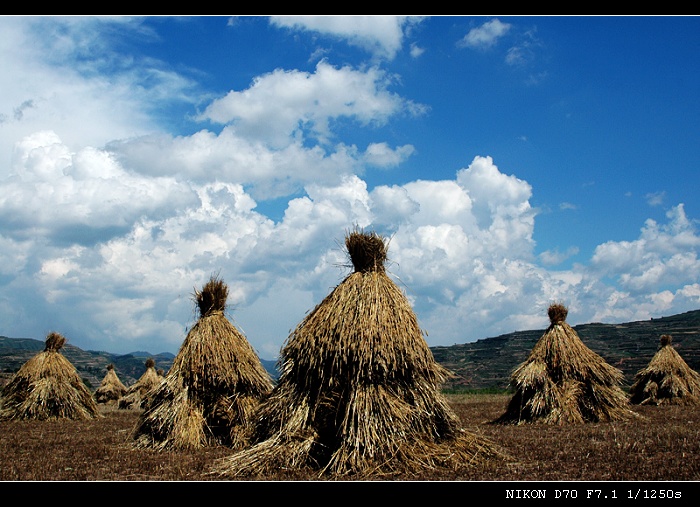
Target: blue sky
513, 161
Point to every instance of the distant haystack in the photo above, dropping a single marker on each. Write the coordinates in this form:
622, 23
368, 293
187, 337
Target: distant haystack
213, 387
48, 386
563, 381
666, 380
111, 388
135, 397
359, 389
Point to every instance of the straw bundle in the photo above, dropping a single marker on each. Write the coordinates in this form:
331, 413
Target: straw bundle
564, 382
136, 395
359, 390
212, 388
666, 380
111, 388
46, 387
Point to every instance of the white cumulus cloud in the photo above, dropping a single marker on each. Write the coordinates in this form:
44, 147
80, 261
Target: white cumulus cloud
381, 36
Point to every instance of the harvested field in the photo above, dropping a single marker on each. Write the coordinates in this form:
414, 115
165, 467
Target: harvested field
662, 446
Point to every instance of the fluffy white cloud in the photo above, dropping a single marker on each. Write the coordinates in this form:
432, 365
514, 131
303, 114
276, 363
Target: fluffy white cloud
663, 254
485, 35
52, 190
381, 155
380, 35
555, 257
278, 135
284, 104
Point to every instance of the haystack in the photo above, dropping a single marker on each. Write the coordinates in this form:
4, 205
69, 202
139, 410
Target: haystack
47, 386
111, 388
136, 394
563, 381
359, 390
210, 392
666, 380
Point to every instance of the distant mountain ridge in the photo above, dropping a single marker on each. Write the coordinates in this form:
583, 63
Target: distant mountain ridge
483, 364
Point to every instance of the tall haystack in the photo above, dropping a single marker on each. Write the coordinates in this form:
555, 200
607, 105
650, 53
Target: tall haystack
48, 386
666, 380
564, 382
359, 389
111, 388
213, 387
135, 397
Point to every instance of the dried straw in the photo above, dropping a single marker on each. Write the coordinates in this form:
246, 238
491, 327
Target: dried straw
359, 390
48, 386
564, 382
666, 380
136, 396
111, 388
210, 392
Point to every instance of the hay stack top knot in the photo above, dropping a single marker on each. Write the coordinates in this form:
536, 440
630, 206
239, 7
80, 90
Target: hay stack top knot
54, 342
212, 297
557, 313
367, 251
110, 366
665, 340
150, 363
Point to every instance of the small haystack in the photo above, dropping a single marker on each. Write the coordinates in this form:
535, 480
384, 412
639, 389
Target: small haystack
136, 394
47, 386
563, 381
215, 383
111, 388
359, 390
666, 380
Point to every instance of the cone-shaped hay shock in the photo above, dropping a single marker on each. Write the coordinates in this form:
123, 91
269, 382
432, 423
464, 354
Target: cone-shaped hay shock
563, 381
211, 390
136, 395
359, 390
48, 386
666, 380
111, 388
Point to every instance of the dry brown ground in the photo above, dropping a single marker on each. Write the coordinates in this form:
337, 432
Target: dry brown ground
664, 445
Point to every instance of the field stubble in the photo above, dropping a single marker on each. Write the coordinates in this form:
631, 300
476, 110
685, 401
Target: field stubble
663, 445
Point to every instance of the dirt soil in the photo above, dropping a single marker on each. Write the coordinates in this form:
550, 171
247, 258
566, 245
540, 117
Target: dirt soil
662, 445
